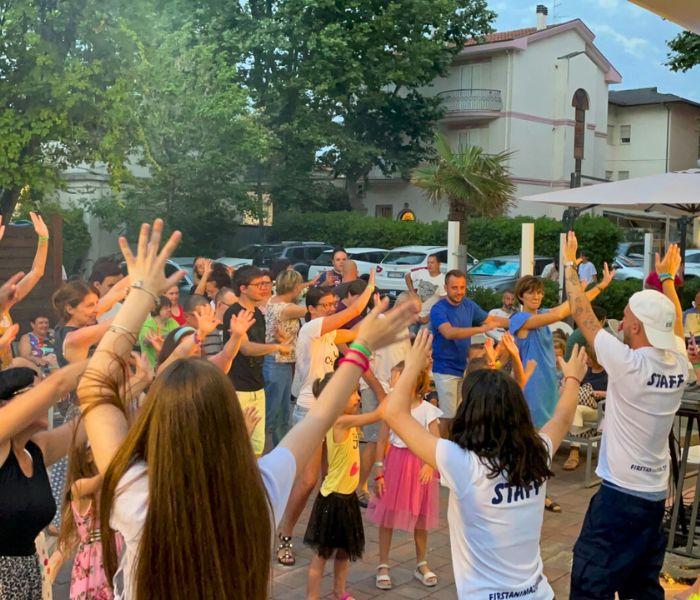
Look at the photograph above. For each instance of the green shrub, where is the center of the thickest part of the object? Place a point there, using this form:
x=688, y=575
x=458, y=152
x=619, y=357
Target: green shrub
x=615, y=297
x=486, y=298
x=688, y=292
x=486, y=236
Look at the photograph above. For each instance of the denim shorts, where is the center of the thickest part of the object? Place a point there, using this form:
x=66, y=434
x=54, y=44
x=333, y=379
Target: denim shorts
x=298, y=414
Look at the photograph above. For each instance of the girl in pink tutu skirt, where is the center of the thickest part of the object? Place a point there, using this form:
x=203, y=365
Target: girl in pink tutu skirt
x=407, y=490
x=80, y=528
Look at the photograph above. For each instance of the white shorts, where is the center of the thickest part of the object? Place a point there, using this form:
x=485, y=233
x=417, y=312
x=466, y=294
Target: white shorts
x=449, y=391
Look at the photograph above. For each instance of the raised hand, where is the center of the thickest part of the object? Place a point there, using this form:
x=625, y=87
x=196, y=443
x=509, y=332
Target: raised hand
x=576, y=366
x=206, y=320
x=2, y=228
x=147, y=268
x=143, y=371
x=8, y=292
x=9, y=336
x=39, y=226
x=156, y=341
x=570, y=247
x=419, y=354
x=375, y=333
x=671, y=261
x=608, y=276
x=508, y=342
x=251, y=418
x=372, y=276
x=241, y=323
x=490, y=350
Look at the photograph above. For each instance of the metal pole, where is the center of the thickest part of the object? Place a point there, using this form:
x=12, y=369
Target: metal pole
x=648, y=253
x=684, y=232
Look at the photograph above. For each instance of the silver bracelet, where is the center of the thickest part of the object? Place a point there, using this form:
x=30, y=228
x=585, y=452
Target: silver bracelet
x=122, y=329
x=138, y=285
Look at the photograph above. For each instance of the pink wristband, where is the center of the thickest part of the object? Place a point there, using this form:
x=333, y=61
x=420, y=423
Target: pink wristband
x=354, y=362
x=362, y=358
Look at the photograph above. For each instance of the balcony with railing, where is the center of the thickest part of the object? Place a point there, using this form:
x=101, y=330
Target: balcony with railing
x=471, y=105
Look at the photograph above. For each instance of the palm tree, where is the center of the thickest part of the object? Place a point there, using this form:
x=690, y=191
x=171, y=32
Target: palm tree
x=474, y=183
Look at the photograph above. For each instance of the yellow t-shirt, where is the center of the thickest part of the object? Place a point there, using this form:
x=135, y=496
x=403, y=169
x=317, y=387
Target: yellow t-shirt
x=343, y=463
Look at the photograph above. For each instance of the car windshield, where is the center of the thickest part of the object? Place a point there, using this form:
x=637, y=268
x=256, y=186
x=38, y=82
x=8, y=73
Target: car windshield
x=325, y=259
x=496, y=268
x=404, y=258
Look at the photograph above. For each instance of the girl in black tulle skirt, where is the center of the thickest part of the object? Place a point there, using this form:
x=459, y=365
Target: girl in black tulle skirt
x=335, y=525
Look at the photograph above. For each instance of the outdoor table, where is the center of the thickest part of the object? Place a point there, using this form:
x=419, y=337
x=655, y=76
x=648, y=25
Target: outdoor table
x=689, y=410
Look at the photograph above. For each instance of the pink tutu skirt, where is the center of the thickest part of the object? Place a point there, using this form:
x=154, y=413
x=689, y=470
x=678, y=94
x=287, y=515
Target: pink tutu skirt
x=406, y=504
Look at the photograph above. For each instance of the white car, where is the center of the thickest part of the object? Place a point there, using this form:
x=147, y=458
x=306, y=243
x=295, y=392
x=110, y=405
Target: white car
x=391, y=272
x=234, y=262
x=366, y=258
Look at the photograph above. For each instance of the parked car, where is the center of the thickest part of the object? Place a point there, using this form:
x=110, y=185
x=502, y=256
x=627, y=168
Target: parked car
x=692, y=263
x=299, y=254
x=366, y=258
x=234, y=262
x=626, y=268
x=391, y=272
x=500, y=273
x=632, y=251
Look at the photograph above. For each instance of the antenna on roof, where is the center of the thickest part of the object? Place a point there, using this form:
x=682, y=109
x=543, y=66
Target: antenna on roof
x=555, y=15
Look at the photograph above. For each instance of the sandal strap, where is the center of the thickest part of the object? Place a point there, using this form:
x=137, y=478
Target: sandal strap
x=422, y=563
x=383, y=566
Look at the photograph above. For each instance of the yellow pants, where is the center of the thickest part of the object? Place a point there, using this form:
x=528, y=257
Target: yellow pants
x=256, y=399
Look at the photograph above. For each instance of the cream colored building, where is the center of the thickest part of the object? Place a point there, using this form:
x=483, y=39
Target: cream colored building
x=515, y=91
x=651, y=133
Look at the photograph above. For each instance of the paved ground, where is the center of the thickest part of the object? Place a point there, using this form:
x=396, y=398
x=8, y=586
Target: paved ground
x=559, y=533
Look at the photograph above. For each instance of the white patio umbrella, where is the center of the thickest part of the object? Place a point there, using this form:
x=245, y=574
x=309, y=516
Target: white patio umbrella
x=676, y=194
x=685, y=13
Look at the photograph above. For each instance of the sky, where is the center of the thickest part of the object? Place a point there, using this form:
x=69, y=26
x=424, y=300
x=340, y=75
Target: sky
x=631, y=38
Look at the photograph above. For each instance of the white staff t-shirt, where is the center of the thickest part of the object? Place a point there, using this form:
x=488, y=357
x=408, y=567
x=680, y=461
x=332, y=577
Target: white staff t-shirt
x=316, y=355
x=644, y=392
x=494, y=529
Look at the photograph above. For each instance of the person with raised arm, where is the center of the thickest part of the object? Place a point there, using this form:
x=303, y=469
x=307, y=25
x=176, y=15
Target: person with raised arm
x=530, y=328
x=316, y=354
x=622, y=543
x=172, y=483
x=25, y=283
x=27, y=504
x=496, y=465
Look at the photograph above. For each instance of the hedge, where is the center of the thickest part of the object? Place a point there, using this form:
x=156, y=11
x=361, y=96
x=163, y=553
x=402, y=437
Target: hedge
x=486, y=236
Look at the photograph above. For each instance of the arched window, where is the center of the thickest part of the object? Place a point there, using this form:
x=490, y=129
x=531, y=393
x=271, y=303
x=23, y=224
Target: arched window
x=581, y=103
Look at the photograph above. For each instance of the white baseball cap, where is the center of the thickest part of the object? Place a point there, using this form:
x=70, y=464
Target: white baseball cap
x=657, y=314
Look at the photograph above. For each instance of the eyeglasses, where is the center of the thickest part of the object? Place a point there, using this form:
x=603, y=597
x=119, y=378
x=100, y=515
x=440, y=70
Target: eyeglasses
x=327, y=305
x=262, y=284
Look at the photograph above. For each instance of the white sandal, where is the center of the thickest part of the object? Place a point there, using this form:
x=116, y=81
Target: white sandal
x=428, y=579
x=383, y=582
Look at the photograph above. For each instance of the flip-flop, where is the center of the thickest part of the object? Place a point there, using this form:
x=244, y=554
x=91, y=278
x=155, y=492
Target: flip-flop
x=552, y=506
x=571, y=464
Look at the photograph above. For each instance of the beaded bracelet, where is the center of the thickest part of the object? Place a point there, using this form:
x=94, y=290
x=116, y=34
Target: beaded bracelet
x=664, y=276
x=353, y=362
x=359, y=355
x=361, y=348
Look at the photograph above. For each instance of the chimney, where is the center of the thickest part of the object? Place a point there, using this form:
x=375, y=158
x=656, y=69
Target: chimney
x=541, y=17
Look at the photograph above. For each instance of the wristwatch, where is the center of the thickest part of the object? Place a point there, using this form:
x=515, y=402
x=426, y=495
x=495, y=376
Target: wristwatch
x=569, y=263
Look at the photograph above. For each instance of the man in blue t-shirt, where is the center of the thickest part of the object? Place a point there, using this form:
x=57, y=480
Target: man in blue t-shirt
x=454, y=320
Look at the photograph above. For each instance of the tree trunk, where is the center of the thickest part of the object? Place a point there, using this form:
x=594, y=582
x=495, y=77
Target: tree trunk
x=458, y=212
x=353, y=189
x=8, y=202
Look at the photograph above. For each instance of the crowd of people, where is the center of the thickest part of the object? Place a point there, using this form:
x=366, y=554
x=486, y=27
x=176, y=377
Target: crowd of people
x=190, y=427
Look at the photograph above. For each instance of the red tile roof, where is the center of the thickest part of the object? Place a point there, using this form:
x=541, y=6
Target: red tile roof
x=505, y=36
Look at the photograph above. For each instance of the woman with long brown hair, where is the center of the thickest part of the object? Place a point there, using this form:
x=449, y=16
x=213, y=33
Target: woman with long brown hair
x=182, y=485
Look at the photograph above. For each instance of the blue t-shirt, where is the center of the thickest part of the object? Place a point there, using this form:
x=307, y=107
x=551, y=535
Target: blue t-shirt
x=450, y=356
x=541, y=391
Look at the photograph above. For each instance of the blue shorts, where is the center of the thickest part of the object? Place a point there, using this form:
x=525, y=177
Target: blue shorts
x=620, y=548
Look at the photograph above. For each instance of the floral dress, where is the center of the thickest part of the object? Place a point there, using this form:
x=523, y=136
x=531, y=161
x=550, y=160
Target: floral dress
x=88, y=580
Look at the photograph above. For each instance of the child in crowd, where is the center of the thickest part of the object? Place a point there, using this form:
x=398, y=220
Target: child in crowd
x=80, y=529
x=407, y=489
x=335, y=524
x=559, y=352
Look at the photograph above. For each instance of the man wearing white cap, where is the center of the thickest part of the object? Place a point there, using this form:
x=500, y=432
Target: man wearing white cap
x=621, y=544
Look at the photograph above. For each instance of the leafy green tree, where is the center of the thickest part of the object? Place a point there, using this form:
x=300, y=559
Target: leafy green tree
x=200, y=138
x=685, y=51
x=339, y=82
x=67, y=91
